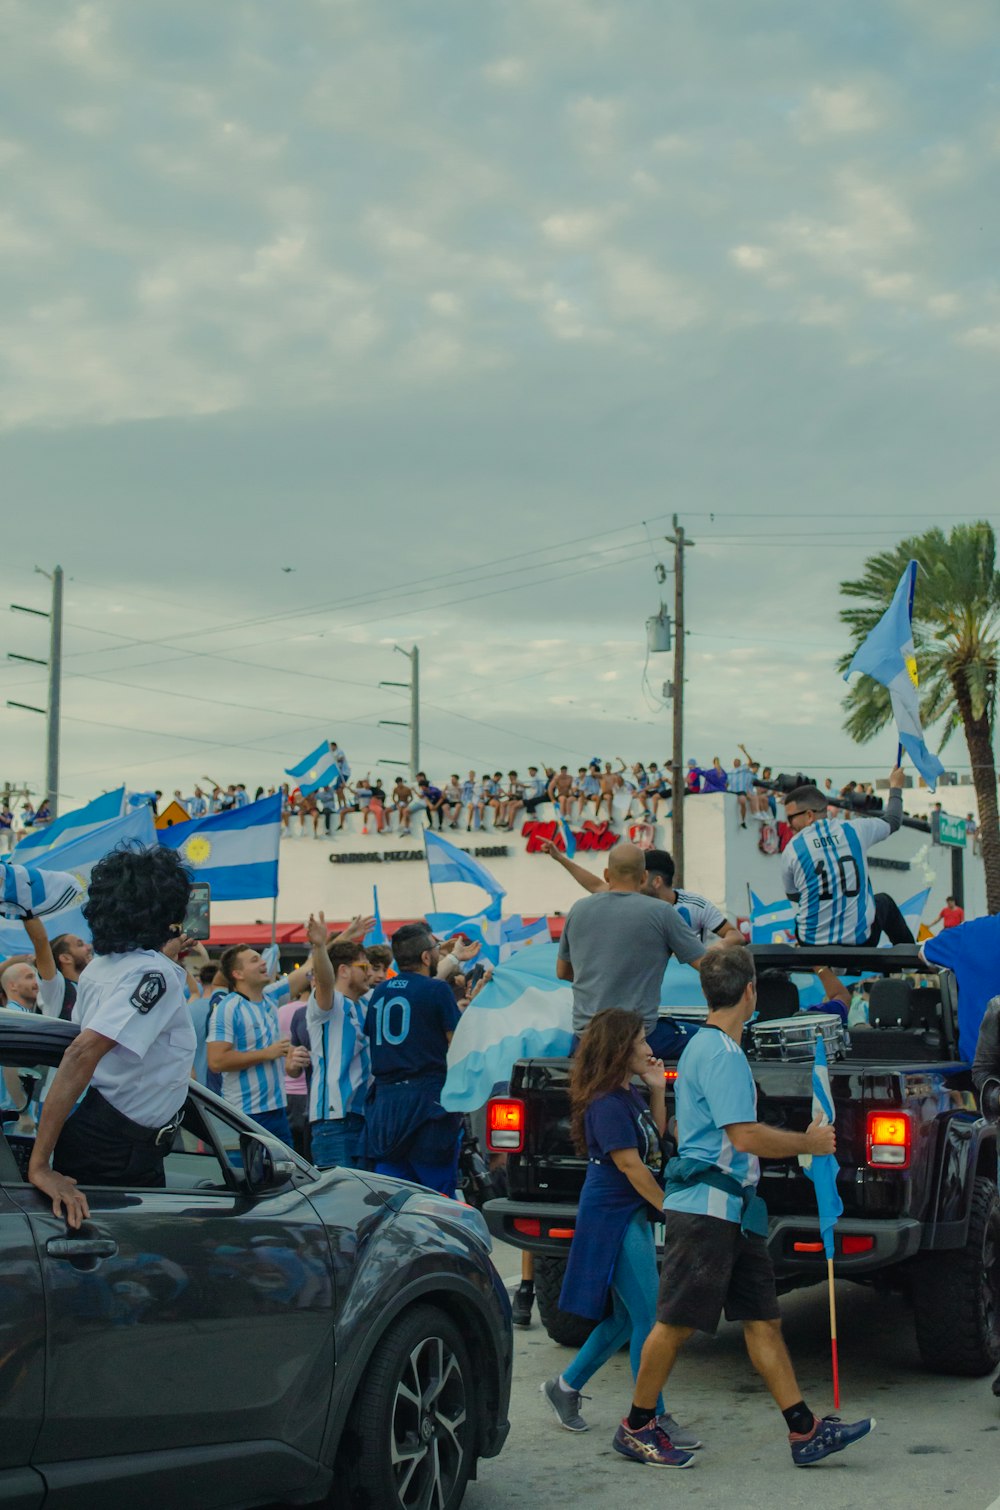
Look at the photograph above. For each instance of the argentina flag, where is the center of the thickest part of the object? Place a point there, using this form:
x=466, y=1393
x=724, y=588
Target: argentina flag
x=75, y=825
x=516, y=934
x=887, y=656
x=447, y=862
x=235, y=852
x=483, y=927
x=316, y=770
x=77, y=859
x=822, y=1168
x=771, y=922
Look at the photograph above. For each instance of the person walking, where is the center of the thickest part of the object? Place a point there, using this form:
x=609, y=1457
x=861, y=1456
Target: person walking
x=613, y=1248
x=715, y=1254
x=131, y=1061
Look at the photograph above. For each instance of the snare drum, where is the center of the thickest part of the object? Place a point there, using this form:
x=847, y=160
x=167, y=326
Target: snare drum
x=794, y=1038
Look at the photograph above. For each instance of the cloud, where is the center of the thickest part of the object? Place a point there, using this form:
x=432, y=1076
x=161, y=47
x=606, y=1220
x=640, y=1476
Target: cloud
x=507, y=72
x=844, y=110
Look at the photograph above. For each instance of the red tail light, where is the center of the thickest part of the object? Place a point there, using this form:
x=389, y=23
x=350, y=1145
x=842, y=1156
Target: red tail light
x=670, y=1076
x=889, y=1135
x=528, y=1226
x=856, y=1243
x=505, y=1126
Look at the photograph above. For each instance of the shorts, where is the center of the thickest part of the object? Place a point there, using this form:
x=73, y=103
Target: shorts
x=710, y=1266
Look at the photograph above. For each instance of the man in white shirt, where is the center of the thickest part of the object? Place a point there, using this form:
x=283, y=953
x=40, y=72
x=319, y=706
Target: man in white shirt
x=335, y=1018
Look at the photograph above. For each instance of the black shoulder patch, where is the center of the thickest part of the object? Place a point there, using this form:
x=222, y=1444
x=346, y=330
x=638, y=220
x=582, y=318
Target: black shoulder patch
x=148, y=992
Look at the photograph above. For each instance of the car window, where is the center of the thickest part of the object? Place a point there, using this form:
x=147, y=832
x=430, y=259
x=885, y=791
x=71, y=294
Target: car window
x=21, y=1085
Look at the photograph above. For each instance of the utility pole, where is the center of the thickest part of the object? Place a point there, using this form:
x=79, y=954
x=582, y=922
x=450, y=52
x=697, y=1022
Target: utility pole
x=677, y=781
x=54, y=663
x=413, y=686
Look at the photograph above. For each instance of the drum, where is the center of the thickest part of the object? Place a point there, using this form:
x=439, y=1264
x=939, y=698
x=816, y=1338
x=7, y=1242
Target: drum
x=697, y=1013
x=793, y=1039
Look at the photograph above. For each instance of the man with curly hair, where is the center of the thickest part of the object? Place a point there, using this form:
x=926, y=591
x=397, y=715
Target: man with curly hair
x=131, y=1062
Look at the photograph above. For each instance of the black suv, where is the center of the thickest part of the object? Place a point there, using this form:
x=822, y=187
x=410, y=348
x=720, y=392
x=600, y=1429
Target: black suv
x=258, y=1331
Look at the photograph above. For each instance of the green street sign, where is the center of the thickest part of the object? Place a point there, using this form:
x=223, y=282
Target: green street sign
x=951, y=831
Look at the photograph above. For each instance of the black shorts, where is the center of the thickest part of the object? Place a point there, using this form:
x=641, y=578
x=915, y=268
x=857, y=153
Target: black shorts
x=710, y=1266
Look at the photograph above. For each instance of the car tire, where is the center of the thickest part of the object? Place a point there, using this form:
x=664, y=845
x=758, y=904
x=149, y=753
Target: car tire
x=956, y=1294
x=412, y=1430
x=562, y=1326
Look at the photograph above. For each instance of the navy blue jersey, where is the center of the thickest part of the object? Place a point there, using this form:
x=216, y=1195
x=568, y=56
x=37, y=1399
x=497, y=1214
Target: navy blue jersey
x=409, y=1019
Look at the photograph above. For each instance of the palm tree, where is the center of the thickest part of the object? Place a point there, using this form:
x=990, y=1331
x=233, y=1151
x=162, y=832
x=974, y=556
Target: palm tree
x=956, y=621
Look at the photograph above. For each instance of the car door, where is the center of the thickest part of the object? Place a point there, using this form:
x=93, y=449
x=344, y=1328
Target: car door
x=22, y=1349
x=189, y=1317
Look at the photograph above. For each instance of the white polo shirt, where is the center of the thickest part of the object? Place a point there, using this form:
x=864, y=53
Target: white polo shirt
x=138, y=1000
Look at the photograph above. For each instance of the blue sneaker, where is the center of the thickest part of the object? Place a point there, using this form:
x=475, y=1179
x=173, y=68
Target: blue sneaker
x=827, y=1436
x=650, y=1445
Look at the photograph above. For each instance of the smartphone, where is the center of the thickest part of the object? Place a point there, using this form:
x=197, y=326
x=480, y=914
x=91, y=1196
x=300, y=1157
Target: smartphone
x=196, y=923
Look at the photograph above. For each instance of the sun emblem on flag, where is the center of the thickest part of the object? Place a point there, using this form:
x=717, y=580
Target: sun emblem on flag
x=313, y=773
x=911, y=666
x=197, y=850
x=80, y=880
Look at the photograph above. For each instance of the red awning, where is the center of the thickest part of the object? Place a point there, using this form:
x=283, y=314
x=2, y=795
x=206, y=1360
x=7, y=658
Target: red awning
x=258, y=934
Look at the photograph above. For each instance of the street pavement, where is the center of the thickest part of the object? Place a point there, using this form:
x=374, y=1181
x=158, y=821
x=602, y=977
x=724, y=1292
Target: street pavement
x=937, y=1441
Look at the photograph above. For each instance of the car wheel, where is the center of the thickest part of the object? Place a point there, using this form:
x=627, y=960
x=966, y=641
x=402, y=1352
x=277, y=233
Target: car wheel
x=413, y=1421
x=956, y=1294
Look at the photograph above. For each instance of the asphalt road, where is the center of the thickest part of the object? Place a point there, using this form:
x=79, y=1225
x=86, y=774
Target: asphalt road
x=936, y=1437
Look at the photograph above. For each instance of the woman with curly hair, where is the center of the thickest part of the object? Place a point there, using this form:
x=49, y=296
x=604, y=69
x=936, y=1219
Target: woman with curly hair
x=613, y=1246
x=136, y=1045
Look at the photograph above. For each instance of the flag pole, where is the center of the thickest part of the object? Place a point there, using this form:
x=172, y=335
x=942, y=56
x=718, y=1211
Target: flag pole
x=909, y=610
x=274, y=920
x=833, y=1334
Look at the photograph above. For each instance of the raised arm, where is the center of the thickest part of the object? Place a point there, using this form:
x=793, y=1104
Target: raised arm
x=323, y=979
x=580, y=873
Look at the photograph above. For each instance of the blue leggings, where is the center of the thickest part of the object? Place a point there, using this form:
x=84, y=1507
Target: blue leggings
x=634, y=1284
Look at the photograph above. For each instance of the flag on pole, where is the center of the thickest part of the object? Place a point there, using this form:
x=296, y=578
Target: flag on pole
x=74, y=825
x=912, y=910
x=376, y=934
x=771, y=922
x=235, y=852
x=483, y=927
x=888, y=657
x=77, y=859
x=569, y=838
x=516, y=934
x=447, y=862
x=822, y=1170
x=316, y=770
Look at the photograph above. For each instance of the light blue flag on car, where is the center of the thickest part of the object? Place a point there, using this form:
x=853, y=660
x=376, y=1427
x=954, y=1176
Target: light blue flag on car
x=235, y=852
x=569, y=838
x=73, y=825
x=316, y=770
x=822, y=1168
x=376, y=934
x=516, y=934
x=483, y=927
x=77, y=859
x=446, y=862
x=771, y=922
x=888, y=657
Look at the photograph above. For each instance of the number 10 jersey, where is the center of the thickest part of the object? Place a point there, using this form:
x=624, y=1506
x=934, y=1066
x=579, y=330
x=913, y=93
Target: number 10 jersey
x=825, y=870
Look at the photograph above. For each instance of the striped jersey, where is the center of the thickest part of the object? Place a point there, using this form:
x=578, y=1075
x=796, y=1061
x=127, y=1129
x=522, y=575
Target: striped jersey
x=825, y=871
x=341, y=1058
x=701, y=915
x=741, y=779
x=715, y=1089
x=250, y=1025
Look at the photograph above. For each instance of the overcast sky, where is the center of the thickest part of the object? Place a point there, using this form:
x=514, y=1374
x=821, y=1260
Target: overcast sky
x=437, y=303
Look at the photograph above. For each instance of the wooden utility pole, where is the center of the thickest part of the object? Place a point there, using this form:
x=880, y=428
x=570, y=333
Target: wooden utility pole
x=677, y=780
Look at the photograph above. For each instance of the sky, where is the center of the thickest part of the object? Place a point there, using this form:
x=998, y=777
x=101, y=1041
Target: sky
x=333, y=326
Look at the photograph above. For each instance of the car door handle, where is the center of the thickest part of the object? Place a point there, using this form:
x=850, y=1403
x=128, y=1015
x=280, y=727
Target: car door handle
x=81, y=1247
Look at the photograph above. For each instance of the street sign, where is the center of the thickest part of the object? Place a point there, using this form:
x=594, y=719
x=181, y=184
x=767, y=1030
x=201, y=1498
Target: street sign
x=951, y=831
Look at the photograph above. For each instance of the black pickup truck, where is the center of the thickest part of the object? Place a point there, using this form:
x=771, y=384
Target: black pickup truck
x=918, y=1164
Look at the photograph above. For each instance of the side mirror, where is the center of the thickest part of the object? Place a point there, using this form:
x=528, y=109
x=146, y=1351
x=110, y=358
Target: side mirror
x=262, y=1172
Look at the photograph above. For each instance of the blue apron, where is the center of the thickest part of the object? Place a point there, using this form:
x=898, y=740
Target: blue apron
x=406, y=1123
x=608, y=1202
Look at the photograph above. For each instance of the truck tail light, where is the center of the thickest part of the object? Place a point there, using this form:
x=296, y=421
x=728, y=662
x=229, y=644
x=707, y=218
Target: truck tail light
x=670, y=1076
x=528, y=1226
x=505, y=1126
x=856, y=1243
x=888, y=1140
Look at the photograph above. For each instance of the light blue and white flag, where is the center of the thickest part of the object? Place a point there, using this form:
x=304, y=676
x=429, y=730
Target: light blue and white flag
x=822, y=1168
x=516, y=934
x=31, y=891
x=524, y=1012
x=235, y=852
x=140, y=799
x=483, y=927
x=376, y=934
x=446, y=862
x=887, y=656
x=316, y=770
x=771, y=922
x=569, y=838
x=78, y=859
x=74, y=825
x=913, y=912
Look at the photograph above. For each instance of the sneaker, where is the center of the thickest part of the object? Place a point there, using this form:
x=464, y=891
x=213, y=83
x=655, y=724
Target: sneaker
x=566, y=1404
x=827, y=1436
x=649, y=1445
x=681, y=1436
x=521, y=1303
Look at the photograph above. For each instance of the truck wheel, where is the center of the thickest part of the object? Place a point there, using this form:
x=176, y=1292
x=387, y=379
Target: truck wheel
x=413, y=1420
x=562, y=1326
x=956, y=1294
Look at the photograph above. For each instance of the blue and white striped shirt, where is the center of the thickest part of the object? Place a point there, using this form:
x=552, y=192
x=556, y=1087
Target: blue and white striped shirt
x=341, y=1058
x=741, y=779
x=251, y=1025
x=824, y=867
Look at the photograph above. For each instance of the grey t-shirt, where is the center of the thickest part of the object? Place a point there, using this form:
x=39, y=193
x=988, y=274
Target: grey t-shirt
x=618, y=943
